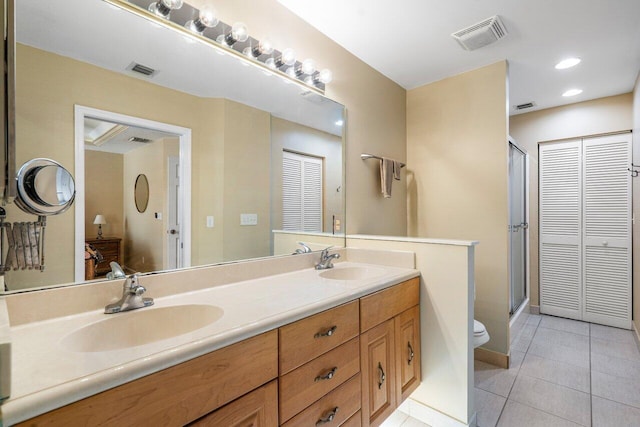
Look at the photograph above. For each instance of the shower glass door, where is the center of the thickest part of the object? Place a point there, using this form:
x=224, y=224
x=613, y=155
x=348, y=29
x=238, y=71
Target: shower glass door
x=517, y=225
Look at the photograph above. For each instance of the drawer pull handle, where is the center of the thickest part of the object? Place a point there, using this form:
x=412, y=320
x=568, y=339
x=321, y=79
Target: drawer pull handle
x=327, y=333
x=328, y=375
x=381, y=376
x=327, y=418
x=410, y=352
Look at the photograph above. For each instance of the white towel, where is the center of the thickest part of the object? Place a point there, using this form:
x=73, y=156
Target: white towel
x=386, y=176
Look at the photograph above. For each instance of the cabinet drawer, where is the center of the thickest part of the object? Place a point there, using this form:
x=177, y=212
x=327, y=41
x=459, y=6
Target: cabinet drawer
x=308, y=338
x=354, y=421
x=180, y=394
x=256, y=409
x=303, y=386
x=383, y=305
x=344, y=402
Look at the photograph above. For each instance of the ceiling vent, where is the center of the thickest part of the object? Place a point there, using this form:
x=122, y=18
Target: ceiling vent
x=141, y=69
x=481, y=34
x=524, y=106
x=140, y=140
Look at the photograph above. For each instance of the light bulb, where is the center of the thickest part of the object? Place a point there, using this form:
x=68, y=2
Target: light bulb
x=288, y=57
x=308, y=67
x=271, y=63
x=208, y=18
x=325, y=76
x=291, y=71
x=162, y=8
x=264, y=47
x=567, y=63
x=222, y=39
x=248, y=52
x=572, y=92
x=239, y=32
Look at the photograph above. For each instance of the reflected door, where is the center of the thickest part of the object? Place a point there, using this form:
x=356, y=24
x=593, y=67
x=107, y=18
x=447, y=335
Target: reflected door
x=174, y=241
x=517, y=225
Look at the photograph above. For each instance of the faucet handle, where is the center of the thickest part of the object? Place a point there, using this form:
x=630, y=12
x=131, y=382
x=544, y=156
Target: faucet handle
x=325, y=251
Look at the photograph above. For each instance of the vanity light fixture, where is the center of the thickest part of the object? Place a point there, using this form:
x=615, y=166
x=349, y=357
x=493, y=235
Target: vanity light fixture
x=229, y=40
x=163, y=8
x=572, y=92
x=207, y=18
x=567, y=63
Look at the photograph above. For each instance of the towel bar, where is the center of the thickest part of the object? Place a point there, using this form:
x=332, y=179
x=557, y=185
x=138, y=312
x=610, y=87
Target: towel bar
x=371, y=156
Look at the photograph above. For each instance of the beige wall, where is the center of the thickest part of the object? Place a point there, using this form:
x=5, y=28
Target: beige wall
x=144, y=238
x=581, y=119
x=636, y=206
x=246, y=181
x=103, y=193
x=286, y=135
x=375, y=109
x=457, y=162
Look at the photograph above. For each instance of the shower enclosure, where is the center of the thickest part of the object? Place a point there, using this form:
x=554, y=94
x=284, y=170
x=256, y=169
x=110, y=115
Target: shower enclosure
x=518, y=226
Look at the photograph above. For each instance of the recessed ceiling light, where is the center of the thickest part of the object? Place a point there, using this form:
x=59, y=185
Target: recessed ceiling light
x=572, y=92
x=567, y=63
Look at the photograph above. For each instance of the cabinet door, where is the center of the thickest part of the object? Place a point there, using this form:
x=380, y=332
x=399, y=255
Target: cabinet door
x=407, y=345
x=256, y=409
x=377, y=351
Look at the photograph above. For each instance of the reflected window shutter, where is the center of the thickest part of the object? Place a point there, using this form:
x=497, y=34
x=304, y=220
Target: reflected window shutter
x=301, y=192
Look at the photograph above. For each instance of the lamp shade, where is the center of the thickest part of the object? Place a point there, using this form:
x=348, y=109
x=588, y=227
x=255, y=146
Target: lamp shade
x=99, y=220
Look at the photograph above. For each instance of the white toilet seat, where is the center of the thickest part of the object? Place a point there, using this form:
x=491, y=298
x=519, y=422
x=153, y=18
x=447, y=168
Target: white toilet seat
x=480, y=334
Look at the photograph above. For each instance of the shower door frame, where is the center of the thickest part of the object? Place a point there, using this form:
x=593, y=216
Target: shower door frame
x=513, y=308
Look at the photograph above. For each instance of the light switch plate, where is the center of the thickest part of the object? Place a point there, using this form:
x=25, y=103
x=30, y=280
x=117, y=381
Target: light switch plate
x=210, y=221
x=248, y=219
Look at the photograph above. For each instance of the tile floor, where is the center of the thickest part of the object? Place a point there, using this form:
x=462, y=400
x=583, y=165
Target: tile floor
x=563, y=373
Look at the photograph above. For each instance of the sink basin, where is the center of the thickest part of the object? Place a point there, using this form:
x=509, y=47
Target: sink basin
x=351, y=273
x=139, y=327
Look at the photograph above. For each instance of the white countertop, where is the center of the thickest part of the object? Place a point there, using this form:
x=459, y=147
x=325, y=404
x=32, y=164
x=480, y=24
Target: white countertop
x=45, y=375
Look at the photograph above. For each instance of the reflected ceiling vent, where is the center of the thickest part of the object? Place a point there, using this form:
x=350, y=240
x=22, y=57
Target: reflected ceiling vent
x=524, y=106
x=313, y=97
x=481, y=34
x=140, y=140
x=141, y=69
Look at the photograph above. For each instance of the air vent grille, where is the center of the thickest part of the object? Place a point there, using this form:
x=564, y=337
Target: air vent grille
x=524, y=106
x=141, y=69
x=481, y=34
x=140, y=140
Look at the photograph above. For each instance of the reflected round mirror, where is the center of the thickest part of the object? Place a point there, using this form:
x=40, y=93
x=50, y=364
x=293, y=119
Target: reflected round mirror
x=44, y=187
x=141, y=193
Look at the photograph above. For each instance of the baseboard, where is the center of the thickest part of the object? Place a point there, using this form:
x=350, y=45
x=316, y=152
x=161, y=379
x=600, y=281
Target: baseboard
x=492, y=357
x=534, y=309
x=432, y=417
x=636, y=334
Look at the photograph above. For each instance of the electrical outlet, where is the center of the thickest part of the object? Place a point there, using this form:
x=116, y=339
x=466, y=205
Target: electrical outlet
x=210, y=222
x=248, y=219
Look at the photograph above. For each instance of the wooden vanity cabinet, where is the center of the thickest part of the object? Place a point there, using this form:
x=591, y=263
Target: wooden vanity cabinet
x=348, y=366
x=180, y=394
x=389, y=349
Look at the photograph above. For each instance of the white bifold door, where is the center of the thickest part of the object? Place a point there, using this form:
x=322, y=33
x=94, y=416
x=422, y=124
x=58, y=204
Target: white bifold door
x=585, y=229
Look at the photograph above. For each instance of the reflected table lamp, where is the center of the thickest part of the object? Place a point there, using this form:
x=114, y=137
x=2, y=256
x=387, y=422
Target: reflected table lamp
x=99, y=220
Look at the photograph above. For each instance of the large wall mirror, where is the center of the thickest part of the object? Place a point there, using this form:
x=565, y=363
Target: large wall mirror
x=240, y=164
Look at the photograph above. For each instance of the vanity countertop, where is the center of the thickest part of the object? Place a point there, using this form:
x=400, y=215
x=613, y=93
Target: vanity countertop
x=46, y=375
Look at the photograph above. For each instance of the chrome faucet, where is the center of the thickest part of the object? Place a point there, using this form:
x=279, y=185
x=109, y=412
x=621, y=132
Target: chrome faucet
x=131, y=297
x=326, y=260
x=303, y=250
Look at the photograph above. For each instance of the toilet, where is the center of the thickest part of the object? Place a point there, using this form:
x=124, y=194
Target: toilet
x=480, y=334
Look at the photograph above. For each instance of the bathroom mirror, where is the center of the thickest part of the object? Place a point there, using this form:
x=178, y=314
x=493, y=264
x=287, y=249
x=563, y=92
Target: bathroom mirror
x=141, y=193
x=241, y=125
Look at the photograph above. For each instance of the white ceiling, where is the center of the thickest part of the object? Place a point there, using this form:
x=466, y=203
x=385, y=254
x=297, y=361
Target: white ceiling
x=119, y=142
x=410, y=42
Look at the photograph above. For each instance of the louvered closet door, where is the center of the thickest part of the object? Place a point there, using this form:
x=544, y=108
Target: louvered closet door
x=301, y=192
x=607, y=230
x=560, y=229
